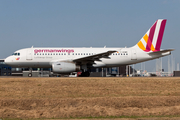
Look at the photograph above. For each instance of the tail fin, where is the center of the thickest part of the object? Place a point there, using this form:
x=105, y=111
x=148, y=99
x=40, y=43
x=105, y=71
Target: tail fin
x=151, y=41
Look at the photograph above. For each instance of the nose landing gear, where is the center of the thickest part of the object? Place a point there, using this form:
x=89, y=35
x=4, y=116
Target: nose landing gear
x=30, y=75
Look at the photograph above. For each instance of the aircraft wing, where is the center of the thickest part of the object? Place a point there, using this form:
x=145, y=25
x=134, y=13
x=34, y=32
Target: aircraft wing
x=96, y=57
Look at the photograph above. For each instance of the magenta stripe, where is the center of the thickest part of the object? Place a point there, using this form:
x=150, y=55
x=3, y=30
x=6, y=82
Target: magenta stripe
x=160, y=36
x=150, y=39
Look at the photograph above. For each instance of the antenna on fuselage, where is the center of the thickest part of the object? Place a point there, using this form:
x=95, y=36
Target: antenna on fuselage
x=32, y=47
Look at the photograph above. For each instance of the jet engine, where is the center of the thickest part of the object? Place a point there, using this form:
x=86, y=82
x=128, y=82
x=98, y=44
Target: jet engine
x=65, y=67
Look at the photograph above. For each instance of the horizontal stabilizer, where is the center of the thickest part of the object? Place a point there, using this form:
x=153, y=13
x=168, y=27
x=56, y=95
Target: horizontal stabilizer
x=161, y=51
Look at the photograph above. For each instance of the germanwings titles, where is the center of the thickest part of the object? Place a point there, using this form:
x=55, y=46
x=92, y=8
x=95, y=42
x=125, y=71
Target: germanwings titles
x=67, y=60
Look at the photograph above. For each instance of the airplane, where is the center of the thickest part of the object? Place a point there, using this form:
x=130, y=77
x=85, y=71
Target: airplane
x=67, y=60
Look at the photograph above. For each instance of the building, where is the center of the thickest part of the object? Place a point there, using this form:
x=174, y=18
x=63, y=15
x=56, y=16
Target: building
x=5, y=70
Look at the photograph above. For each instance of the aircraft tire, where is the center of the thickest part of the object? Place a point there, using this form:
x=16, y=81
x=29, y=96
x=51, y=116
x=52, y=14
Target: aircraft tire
x=30, y=75
x=85, y=74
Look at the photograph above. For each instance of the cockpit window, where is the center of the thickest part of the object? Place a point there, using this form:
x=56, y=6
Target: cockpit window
x=16, y=54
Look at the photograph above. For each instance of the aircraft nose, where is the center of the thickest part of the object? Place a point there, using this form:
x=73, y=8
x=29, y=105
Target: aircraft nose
x=8, y=60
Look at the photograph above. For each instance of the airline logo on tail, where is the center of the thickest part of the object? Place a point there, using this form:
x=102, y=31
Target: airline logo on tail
x=151, y=41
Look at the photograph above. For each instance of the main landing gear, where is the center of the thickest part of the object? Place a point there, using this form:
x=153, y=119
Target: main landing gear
x=85, y=74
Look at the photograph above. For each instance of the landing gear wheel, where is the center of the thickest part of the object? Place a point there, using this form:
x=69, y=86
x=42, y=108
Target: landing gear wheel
x=30, y=75
x=85, y=74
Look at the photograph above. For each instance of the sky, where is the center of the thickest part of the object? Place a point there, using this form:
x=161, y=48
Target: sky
x=86, y=23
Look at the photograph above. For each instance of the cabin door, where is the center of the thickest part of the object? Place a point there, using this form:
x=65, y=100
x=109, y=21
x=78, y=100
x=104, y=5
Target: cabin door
x=133, y=54
x=29, y=54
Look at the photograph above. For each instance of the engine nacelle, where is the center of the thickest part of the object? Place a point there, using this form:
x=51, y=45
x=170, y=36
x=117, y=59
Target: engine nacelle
x=65, y=67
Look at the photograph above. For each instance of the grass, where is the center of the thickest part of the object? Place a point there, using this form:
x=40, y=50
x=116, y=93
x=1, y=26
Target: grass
x=100, y=117
x=84, y=87
x=83, y=97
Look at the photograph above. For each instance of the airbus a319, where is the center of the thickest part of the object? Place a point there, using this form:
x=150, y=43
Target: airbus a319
x=67, y=60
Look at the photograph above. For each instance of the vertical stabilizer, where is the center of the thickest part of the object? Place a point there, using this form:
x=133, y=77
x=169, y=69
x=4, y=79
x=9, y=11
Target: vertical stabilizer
x=151, y=41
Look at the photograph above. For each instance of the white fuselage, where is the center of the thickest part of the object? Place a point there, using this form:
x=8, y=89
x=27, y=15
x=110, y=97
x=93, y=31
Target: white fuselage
x=44, y=57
